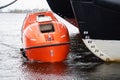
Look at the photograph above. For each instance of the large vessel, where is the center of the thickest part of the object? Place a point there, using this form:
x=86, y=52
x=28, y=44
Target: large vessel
x=98, y=22
x=44, y=38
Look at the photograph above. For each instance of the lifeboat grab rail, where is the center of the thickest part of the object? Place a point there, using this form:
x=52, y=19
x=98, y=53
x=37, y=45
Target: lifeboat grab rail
x=57, y=44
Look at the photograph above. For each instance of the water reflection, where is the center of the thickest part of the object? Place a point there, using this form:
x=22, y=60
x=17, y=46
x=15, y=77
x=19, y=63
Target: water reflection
x=45, y=68
x=56, y=71
x=43, y=71
x=106, y=71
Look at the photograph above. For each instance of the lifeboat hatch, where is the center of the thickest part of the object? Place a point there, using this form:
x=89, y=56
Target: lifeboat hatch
x=43, y=18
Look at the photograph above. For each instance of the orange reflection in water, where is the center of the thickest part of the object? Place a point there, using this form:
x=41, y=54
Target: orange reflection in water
x=43, y=71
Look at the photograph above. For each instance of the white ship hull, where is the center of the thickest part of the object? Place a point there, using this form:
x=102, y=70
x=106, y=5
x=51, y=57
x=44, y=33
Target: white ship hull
x=107, y=50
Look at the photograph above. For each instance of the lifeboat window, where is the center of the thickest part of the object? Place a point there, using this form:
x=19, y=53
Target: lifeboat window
x=46, y=28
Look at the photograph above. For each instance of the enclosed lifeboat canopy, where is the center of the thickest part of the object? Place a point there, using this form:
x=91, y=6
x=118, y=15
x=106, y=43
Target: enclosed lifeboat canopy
x=44, y=38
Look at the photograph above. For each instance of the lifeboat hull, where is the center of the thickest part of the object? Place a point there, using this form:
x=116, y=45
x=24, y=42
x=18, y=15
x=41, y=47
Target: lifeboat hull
x=51, y=53
x=44, y=38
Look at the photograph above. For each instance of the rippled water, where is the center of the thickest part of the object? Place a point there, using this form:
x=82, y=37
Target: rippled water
x=13, y=67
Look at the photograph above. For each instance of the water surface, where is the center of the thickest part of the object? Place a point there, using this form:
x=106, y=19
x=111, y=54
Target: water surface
x=13, y=67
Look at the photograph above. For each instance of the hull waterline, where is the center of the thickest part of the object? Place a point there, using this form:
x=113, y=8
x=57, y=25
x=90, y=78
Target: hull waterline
x=107, y=50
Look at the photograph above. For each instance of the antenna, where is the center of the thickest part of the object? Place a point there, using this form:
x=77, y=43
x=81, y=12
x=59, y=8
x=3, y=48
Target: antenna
x=8, y=4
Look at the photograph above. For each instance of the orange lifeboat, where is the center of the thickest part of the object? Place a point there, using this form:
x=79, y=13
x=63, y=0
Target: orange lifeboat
x=44, y=38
